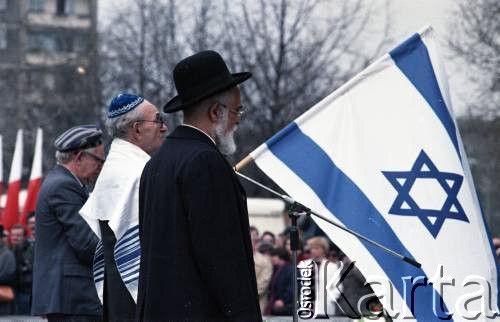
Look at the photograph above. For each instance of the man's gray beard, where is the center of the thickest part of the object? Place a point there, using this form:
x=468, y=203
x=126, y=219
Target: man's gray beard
x=225, y=142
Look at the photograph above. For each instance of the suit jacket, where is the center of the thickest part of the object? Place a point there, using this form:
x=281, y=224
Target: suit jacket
x=7, y=275
x=64, y=249
x=281, y=288
x=197, y=260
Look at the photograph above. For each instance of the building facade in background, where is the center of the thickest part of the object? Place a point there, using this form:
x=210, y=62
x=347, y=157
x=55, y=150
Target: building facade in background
x=48, y=63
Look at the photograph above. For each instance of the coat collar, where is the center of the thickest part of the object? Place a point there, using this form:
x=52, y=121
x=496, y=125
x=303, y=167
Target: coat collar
x=198, y=129
x=66, y=171
x=189, y=132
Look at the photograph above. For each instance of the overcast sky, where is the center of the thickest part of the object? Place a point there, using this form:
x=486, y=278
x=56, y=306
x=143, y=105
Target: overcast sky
x=411, y=15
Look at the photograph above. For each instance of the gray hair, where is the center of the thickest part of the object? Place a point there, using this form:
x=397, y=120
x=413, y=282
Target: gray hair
x=222, y=97
x=64, y=157
x=118, y=127
x=68, y=156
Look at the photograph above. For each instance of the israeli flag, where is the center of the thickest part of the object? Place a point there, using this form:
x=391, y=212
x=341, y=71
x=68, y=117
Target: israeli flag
x=382, y=156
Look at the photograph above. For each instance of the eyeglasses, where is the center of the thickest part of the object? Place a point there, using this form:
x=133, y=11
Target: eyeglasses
x=239, y=111
x=159, y=119
x=95, y=157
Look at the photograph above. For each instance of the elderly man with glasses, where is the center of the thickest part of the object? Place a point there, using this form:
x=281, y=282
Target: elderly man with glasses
x=63, y=288
x=112, y=210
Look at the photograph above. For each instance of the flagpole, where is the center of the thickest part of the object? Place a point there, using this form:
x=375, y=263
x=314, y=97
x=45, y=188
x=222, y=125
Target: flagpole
x=246, y=160
x=303, y=210
x=294, y=247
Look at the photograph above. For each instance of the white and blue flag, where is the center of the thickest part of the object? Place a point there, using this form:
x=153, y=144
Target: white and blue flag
x=382, y=156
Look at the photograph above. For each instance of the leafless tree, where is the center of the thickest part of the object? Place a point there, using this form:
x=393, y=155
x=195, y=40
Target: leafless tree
x=298, y=52
x=475, y=40
x=142, y=43
x=481, y=141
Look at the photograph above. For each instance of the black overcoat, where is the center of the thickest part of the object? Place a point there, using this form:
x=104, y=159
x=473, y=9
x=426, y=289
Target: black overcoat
x=197, y=261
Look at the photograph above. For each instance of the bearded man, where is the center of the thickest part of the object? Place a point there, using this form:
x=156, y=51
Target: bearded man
x=197, y=260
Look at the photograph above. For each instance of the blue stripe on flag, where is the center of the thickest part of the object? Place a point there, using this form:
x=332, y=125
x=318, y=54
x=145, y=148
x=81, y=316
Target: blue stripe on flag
x=343, y=198
x=412, y=58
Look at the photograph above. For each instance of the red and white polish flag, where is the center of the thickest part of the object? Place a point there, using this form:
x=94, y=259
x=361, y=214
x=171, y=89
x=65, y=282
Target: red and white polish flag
x=1, y=166
x=35, y=179
x=11, y=211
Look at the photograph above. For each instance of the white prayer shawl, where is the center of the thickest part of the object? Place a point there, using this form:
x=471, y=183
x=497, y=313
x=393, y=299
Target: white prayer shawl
x=116, y=198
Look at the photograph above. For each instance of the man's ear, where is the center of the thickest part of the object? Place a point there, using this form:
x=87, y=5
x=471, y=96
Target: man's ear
x=136, y=128
x=78, y=156
x=213, y=112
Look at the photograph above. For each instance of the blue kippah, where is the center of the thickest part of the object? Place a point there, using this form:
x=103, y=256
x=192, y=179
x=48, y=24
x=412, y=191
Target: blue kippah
x=79, y=138
x=123, y=103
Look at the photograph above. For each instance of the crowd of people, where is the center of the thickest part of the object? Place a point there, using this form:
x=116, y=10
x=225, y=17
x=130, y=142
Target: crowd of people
x=274, y=272
x=17, y=247
x=272, y=258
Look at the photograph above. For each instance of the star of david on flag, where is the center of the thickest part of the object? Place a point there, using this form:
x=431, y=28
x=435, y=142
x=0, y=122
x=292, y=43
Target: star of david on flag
x=405, y=205
x=382, y=156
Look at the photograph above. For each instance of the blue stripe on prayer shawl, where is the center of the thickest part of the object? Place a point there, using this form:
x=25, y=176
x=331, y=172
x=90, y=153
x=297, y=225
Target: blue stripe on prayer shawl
x=412, y=58
x=127, y=280
x=126, y=247
x=98, y=267
x=126, y=239
x=343, y=198
x=127, y=270
x=128, y=257
x=128, y=261
x=99, y=254
x=133, y=233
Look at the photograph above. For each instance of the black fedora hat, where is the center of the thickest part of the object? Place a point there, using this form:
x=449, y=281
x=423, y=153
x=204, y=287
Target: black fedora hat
x=200, y=76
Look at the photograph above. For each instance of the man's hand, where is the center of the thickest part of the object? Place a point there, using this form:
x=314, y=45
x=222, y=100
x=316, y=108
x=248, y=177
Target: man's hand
x=278, y=304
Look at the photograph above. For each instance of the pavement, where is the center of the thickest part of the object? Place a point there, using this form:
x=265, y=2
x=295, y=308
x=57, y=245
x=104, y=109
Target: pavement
x=18, y=318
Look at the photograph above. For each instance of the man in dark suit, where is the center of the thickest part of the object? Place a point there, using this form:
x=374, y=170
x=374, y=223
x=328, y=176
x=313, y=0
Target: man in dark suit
x=197, y=260
x=63, y=288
